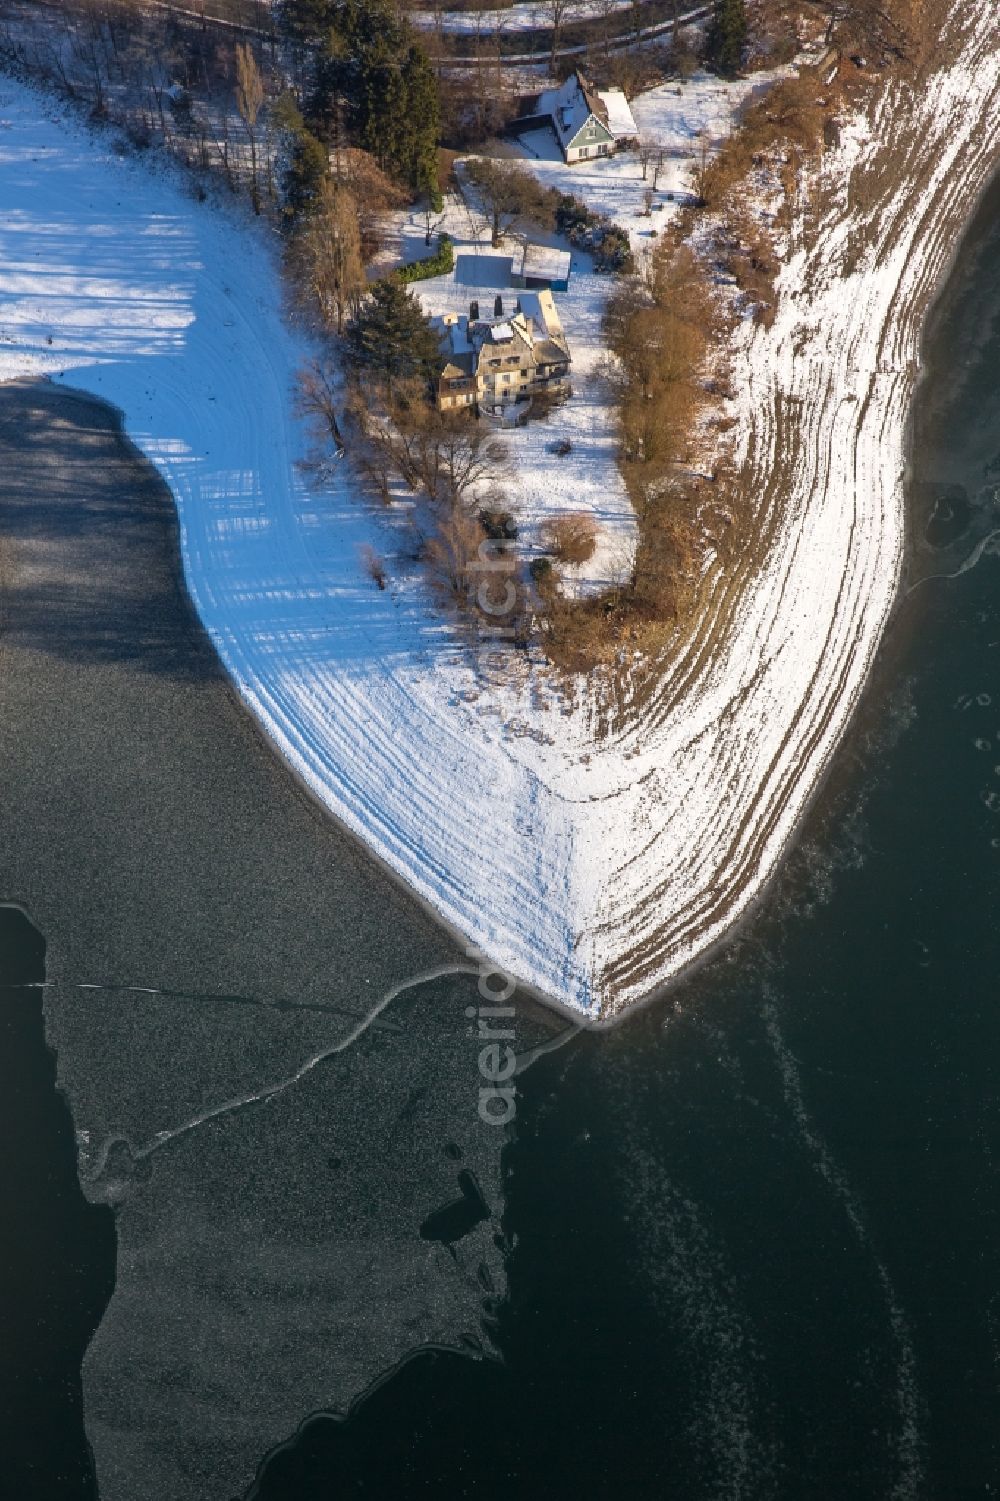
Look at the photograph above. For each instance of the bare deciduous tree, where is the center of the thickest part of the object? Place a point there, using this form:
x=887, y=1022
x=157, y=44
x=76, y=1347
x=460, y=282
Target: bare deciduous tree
x=452, y=549
x=509, y=193
x=318, y=398
x=372, y=190
x=875, y=25
x=555, y=12
x=571, y=537
x=374, y=565
x=431, y=220
x=249, y=102
x=450, y=456
x=373, y=447
x=469, y=458
x=703, y=161
x=325, y=256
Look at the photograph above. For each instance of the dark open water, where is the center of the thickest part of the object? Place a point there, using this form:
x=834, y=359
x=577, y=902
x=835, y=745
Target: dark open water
x=752, y=1236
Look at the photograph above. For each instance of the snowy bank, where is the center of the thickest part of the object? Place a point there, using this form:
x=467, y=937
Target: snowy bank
x=592, y=858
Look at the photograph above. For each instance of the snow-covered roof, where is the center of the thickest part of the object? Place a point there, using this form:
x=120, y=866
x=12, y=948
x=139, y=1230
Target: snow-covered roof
x=453, y=331
x=535, y=325
x=540, y=306
x=571, y=105
x=544, y=261
x=619, y=121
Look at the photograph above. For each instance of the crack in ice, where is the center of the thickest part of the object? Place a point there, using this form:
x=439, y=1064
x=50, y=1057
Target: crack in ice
x=975, y=556
x=265, y=1003
x=269, y=1091
x=367, y=1022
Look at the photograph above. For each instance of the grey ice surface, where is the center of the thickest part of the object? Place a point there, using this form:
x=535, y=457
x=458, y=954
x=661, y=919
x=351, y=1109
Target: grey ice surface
x=210, y=932
x=272, y=1262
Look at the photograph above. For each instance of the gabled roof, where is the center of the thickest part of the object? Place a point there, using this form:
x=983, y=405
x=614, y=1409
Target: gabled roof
x=571, y=106
x=593, y=100
x=540, y=308
x=457, y=371
x=515, y=330
x=455, y=347
x=548, y=352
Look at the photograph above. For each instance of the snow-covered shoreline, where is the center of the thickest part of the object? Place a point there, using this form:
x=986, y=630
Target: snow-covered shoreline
x=592, y=861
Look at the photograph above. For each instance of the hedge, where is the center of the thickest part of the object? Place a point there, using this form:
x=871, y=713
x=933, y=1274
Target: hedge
x=441, y=261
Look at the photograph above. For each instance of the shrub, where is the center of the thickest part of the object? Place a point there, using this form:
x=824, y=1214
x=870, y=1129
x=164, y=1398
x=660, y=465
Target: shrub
x=545, y=402
x=605, y=241
x=139, y=134
x=572, y=538
x=613, y=252
x=499, y=526
x=374, y=565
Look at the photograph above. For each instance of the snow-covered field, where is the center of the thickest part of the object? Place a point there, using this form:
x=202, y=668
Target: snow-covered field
x=591, y=858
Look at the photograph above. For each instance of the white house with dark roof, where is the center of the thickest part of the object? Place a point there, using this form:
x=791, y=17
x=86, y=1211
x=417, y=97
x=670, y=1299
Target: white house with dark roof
x=587, y=122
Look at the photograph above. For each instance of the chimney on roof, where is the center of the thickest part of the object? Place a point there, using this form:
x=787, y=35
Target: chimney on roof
x=473, y=312
x=498, y=307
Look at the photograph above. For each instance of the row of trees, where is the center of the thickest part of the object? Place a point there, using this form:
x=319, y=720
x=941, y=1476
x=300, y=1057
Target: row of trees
x=366, y=133
x=362, y=138
x=377, y=398
x=658, y=327
x=663, y=331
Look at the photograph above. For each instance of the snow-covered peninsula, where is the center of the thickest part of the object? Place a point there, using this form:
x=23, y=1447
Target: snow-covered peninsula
x=590, y=854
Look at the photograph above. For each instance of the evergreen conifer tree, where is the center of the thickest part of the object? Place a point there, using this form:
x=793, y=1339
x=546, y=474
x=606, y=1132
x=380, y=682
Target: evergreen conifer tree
x=306, y=20
x=308, y=171
x=727, y=36
x=374, y=69
x=422, y=126
x=391, y=339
